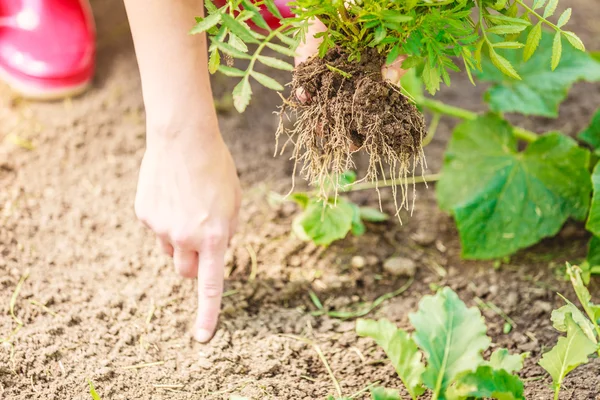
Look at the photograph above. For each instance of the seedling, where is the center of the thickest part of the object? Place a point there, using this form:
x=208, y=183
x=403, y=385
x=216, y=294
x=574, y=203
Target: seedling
x=582, y=332
x=444, y=354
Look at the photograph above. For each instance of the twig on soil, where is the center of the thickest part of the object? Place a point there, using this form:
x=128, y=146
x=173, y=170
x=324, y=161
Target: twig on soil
x=319, y=352
x=151, y=312
x=230, y=293
x=488, y=304
x=15, y=295
x=144, y=365
x=358, y=353
x=345, y=315
x=167, y=386
x=254, y=261
x=43, y=307
x=308, y=378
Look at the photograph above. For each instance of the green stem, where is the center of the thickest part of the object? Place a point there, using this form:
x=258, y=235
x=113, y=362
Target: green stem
x=442, y=108
x=261, y=47
x=416, y=179
x=435, y=121
x=556, y=391
x=531, y=10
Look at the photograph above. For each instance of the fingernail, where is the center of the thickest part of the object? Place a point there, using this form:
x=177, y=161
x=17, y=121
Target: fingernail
x=392, y=75
x=302, y=96
x=203, y=335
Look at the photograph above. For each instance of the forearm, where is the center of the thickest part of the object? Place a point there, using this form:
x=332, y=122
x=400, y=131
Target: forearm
x=173, y=64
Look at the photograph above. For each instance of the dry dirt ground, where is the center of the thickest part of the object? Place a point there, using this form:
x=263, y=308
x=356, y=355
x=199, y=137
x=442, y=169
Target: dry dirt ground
x=116, y=312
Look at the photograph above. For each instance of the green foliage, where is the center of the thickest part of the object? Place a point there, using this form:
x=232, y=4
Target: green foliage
x=230, y=37
x=591, y=135
x=93, y=393
x=502, y=359
x=487, y=382
x=324, y=222
x=582, y=332
x=400, y=348
x=452, y=338
x=430, y=33
x=540, y=89
x=504, y=200
x=570, y=352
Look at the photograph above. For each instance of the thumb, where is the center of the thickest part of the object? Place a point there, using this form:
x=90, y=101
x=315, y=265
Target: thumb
x=394, y=72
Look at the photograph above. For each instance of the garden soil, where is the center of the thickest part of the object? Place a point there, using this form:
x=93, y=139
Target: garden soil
x=115, y=312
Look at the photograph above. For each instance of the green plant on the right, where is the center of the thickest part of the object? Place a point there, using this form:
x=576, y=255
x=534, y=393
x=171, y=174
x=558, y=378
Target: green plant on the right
x=444, y=354
x=582, y=333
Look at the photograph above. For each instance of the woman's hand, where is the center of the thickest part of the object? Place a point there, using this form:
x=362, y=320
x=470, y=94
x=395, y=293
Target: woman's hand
x=189, y=195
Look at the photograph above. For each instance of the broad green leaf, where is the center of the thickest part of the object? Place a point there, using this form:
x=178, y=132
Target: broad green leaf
x=380, y=393
x=214, y=61
x=452, y=337
x=593, y=222
x=267, y=81
x=591, y=134
x=556, y=50
x=93, y=393
x=593, y=257
x=569, y=353
x=541, y=90
x=574, y=40
x=231, y=71
x=238, y=28
x=241, y=94
x=275, y=63
x=504, y=200
x=559, y=320
x=373, y=215
x=550, y=8
x=400, y=349
x=564, y=18
x=205, y=24
x=487, y=382
x=324, y=224
x=502, y=359
x=503, y=65
x=533, y=41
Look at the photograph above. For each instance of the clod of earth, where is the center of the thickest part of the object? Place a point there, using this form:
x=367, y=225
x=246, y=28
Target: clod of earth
x=351, y=108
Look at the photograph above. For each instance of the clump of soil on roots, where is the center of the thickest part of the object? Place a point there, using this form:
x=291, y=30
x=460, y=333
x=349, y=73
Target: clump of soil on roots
x=351, y=108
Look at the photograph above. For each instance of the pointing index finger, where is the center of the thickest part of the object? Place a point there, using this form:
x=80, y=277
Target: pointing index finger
x=211, y=265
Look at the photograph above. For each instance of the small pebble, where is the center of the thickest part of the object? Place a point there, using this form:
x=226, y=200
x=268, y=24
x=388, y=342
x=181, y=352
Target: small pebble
x=358, y=262
x=372, y=260
x=400, y=266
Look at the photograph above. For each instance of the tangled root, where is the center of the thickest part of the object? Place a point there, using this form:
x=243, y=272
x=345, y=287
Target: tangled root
x=351, y=108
